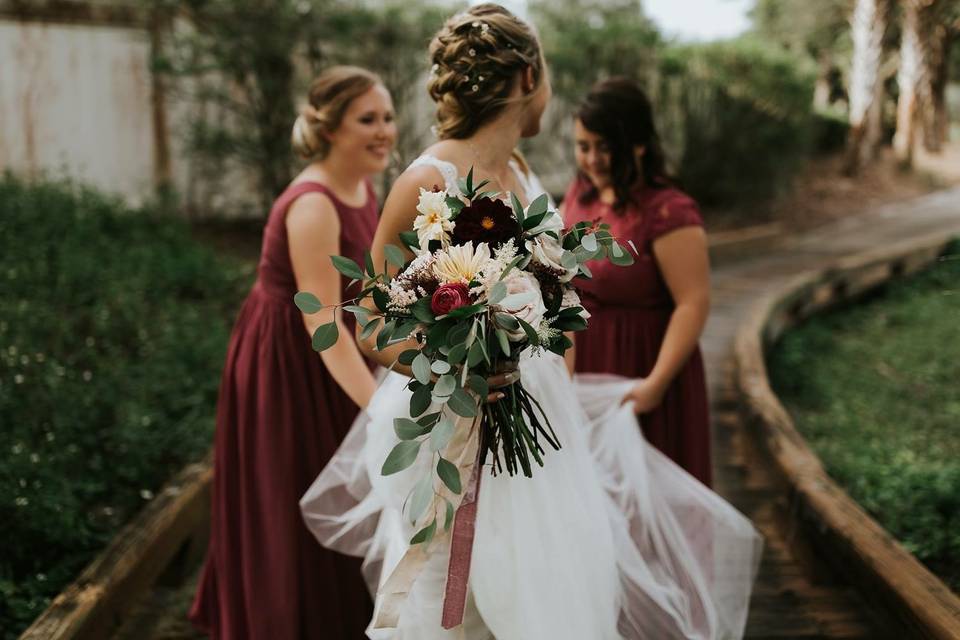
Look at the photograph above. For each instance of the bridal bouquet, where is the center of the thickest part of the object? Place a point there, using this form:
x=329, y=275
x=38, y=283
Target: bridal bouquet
x=488, y=280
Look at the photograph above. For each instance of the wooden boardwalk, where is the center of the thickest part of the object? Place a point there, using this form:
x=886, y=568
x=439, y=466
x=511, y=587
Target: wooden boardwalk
x=797, y=596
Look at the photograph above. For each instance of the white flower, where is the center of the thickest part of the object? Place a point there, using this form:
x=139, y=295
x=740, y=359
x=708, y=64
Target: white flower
x=490, y=275
x=434, y=221
x=572, y=299
x=548, y=251
x=461, y=263
x=524, y=301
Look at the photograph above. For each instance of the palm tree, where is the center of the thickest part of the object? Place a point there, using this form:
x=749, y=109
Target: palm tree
x=868, y=26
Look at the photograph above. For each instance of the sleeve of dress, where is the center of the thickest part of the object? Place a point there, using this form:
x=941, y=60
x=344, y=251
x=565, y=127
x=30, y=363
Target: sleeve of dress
x=674, y=212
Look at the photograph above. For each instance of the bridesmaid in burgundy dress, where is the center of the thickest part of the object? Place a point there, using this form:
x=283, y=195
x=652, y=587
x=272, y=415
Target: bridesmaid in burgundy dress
x=283, y=409
x=647, y=318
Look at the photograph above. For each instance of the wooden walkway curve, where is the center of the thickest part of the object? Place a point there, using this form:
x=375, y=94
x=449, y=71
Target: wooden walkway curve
x=797, y=595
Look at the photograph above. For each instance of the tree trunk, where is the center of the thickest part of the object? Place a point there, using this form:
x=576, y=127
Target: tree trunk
x=868, y=24
x=934, y=108
x=909, y=77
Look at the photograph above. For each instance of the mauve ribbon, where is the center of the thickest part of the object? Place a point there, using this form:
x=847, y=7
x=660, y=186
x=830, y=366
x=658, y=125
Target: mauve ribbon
x=461, y=550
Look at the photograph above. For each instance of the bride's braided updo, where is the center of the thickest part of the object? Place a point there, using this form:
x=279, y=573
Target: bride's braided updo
x=476, y=56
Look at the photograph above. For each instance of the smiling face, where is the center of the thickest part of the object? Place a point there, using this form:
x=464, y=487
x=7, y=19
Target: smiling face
x=592, y=156
x=367, y=131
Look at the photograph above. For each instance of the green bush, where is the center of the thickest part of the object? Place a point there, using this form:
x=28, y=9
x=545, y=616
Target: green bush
x=737, y=117
x=113, y=328
x=873, y=388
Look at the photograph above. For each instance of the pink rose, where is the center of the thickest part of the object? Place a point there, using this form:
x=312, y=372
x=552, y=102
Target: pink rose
x=448, y=297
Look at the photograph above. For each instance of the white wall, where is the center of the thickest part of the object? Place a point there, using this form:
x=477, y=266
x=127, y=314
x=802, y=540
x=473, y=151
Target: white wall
x=76, y=100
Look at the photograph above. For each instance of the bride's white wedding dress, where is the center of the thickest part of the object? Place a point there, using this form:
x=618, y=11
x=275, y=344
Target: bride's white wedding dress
x=609, y=539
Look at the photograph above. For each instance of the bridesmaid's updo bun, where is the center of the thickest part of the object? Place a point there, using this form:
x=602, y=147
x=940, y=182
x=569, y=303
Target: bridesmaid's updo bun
x=476, y=56
x=328, y=99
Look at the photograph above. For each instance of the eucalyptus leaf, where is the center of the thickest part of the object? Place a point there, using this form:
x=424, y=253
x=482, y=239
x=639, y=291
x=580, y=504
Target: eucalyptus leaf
x=479, y=385
x=347, y=267
x=441, y=434
x=307, y=302
x=421, y=310
x=517, y=208
x=421, y=368
x=410, y=239
x=407, y=429
x=457, y=354
x=462, y=404
x=530, y=331
x=406, y=358
x=420, y=498
x=504, y=341
x=420, y=400
x=402, y=456
x=448, y=522
x=444, y=386
x=369, y=328
x=368, y=262
x=450, y=475
x=440, y=367
x=589, y=242
x=507, y=321
x=497, y=293
x=425, y=534
x=476, y=354
x=394, y=255
x=325, y=336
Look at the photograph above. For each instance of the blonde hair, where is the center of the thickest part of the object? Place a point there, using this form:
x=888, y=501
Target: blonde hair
x=476, y=56
x=329, y=96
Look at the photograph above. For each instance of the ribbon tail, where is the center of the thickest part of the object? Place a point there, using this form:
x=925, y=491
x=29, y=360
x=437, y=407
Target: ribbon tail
x=461, y=551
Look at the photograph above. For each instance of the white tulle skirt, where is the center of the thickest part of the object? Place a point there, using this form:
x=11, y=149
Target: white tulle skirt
x=609, y=539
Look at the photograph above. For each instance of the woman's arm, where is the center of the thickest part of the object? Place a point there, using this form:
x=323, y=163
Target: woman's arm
x=399, y=212
x=683, y=260
x=313, y=235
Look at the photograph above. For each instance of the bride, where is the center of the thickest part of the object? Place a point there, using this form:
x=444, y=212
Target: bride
x=609, y=539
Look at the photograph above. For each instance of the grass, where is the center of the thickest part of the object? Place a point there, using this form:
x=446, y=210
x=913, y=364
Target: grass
x=113, y=328
x=874, y=387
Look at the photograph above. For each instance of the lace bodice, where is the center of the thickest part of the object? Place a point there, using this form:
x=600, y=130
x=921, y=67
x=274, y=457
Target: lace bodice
x=529, y=182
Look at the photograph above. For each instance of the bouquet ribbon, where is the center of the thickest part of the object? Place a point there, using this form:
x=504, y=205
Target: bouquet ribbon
x=464, y=451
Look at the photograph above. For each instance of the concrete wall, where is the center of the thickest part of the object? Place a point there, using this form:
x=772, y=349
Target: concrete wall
x=76, y=100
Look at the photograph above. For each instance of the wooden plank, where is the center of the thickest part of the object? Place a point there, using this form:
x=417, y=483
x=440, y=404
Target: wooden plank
x=93, y=606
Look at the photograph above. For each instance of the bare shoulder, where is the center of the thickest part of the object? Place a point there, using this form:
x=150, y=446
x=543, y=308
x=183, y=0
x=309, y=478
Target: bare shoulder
x=313, y=212
x=414, y=178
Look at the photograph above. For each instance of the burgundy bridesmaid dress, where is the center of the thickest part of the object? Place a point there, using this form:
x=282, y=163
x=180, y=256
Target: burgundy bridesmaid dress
x=280, y=417
x=631, y=308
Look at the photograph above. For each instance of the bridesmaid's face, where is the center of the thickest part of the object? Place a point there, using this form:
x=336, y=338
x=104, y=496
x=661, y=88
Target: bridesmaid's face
x=368, y=131
x=592, y=155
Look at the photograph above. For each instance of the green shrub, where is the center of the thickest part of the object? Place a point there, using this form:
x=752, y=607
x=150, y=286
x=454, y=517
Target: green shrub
x=873, y=388
x=736, y=116
x=113, y=328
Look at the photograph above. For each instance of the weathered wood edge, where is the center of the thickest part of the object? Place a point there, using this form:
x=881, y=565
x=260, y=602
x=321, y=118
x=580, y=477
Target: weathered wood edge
x=886, y=574
x=172, y=528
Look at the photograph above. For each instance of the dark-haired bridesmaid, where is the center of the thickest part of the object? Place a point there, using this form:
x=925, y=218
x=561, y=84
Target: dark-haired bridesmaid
x=646, y=318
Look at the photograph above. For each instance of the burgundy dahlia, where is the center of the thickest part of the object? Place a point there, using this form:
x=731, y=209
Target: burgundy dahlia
x=485, y=220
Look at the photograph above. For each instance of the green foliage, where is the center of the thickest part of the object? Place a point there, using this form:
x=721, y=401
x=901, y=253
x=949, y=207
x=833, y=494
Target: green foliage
x=586, y=40
x=113, y=328
x=738, y=116
x=873, y=388
x=246, y=65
